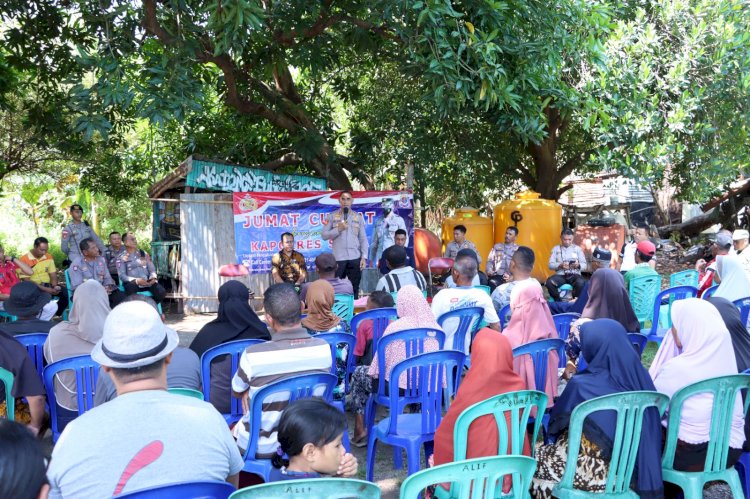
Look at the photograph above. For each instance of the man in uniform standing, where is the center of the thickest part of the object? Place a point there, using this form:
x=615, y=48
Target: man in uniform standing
x=115, y=249
x=75, y=232
x=346, y=230
x=93, y=266
x=137, y=271
x=384, y=234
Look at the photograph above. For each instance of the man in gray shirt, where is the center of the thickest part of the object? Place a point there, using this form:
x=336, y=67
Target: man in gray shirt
x=325, y=264
x=568, y=261
x=75, y=232
x=346, y=230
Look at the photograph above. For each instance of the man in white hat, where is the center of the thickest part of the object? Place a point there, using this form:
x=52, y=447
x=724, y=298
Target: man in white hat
x=740, y=239
x=146, y=437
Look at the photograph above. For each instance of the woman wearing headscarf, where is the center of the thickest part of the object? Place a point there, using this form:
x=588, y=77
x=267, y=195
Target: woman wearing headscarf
x=413, y=312
x=734, y=283
x=76, y=336
x=608, y=299
x=320, y=317
x=530, y=320
x=699, y=348
x=613, y=366
x=236, y=320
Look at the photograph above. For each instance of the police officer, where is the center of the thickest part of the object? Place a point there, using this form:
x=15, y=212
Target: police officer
x=93, y=266
x=346, y=229
x=113, y=252
x=384, y=235
x=137, y=271
x=75, y=232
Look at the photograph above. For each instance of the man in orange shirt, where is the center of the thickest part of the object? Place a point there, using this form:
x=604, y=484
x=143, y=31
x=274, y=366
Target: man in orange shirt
x=45, y=272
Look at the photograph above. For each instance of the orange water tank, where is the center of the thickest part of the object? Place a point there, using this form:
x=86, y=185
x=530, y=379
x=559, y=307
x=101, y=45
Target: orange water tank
x=426, y=246
x=539, y=223
x=479, y=230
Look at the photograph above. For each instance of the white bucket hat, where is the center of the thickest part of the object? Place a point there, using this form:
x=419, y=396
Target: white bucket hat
x=134, y=336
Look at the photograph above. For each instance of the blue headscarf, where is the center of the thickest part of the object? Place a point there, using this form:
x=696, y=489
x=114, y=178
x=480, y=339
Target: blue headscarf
x=613, y=366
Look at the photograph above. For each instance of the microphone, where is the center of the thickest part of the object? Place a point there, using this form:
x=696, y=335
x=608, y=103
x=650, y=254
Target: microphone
x=346, y=213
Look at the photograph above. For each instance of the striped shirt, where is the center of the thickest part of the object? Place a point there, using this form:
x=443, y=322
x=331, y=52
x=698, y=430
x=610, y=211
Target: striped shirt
x=398, y=278
x=289, y=353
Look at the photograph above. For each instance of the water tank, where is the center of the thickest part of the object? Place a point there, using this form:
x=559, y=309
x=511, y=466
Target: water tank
x=479, y=230
x=539, y=223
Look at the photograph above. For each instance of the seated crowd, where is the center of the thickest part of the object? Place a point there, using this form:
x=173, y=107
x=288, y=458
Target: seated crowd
x=139, y=435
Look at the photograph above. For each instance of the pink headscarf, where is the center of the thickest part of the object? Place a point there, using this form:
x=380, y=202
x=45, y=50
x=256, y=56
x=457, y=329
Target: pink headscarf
x=531, y=320
x=413, y=312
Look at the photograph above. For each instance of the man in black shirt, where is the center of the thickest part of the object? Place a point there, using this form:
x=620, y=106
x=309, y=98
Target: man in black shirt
x=26, y=302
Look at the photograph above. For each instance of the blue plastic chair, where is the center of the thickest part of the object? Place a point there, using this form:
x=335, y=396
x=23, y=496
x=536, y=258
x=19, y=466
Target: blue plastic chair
x=684, y=278
x=642, y=292
x=504, y=316
x=188, y=490
x=426, y=374
x=656, y=333
x=562, y=324
x=709, y=292
x=334, y=340
x=235, y=349
x=743, y=304
x=380, y=318
x=86, y=373
x=468, y=319
x=296, y=387
x=313, y=488
x=343, y=306
x=638, y=341
x=34, y=343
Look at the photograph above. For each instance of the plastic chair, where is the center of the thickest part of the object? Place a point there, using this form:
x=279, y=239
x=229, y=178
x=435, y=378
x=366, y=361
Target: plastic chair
x=343, y=306
x=468, y=322
x=504, y=316
x=187, y=392
x=642, y=292
x=297, y=387
x=380, y=318
x=145, y=292
x=394, y=295
x=86, y=372
x=724, y=390
x=334, y=340
x=235, y=349
x=684, y=278
x=475, y=478
x=709, y=292
x=6, y=378
x=484, y=288
x=562, y=324
x=630, y=408
x=67, y=310
x=188, y=490
x=638, y=341
x=440, y=263
x=315, y=488
x=34, y=343
x=7, y=317
x=656, y=333
x=743, y=304
x=427, y=380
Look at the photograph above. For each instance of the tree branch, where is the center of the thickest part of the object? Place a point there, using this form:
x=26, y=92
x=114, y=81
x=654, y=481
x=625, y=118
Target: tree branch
x=287, y=159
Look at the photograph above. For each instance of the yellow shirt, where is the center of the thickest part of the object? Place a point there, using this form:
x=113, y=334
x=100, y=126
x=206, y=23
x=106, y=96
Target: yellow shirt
x=42, y=267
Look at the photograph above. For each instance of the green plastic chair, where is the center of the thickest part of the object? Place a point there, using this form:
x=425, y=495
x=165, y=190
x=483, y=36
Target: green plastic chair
x=642, y=292
x=684, y=278
x=394, y=294
x=343, y=306
x=6, y=378
x=313, y=488
x=724, y=390
x=630, y=408
x=475, y=478
x=188, y=392
x=484, y=288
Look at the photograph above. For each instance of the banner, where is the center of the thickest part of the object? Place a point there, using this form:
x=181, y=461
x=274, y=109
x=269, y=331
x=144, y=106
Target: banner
x=260, y=218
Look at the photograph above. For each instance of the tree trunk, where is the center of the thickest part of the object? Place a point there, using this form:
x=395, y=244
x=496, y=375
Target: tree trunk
x=691, y=227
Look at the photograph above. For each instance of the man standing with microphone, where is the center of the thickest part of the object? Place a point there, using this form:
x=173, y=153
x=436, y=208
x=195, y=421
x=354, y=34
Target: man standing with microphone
x=346, y=229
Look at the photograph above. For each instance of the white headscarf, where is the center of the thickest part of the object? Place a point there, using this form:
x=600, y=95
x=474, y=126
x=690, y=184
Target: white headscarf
x=706, y=352
x=735, y=284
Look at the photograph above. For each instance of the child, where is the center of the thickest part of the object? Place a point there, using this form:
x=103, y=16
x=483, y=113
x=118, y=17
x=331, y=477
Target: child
x=310, y=433
x=363, y=346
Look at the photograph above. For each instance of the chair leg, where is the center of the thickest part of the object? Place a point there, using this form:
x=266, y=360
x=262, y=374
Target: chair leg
x=412, y=458
x=372, y=443
x=736, y=485
x=398, y=459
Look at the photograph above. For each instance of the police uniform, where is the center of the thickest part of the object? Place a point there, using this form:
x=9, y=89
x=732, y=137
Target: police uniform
x=138, y=265
x=111, y=255
x=81, y=270
x=73, y=234
x=384, y=235
x=349, y=245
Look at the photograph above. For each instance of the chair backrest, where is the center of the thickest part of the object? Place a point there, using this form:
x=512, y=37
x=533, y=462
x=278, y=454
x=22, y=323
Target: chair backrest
x=187, y=392
x=414, y=343
x=475, y=478
x=684, y=278
x=724, y=390
x=469, y=319
x=235, y=349
x=6, y=378
x=642, y=292
x=638, y=341
x=519, y=404
x=440, y=263
x=670, y=295
x=343, y=306
x=630, y=408
x=314, y=488
x=484, y=288
x=394, y=294
x=334, y=340
x=295, y=387
x=34, y=343
x=539, y=353
x=743, y=304
x=86, y=374
x=428, y=377
x=708, y=293
x=188, y=490
x=380, y=318
x=504, y=316
x=562, y=324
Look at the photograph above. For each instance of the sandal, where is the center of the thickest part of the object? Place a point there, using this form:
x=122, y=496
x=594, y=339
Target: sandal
x=360, y=442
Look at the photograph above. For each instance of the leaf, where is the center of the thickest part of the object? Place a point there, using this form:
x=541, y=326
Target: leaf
x=469, y=26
